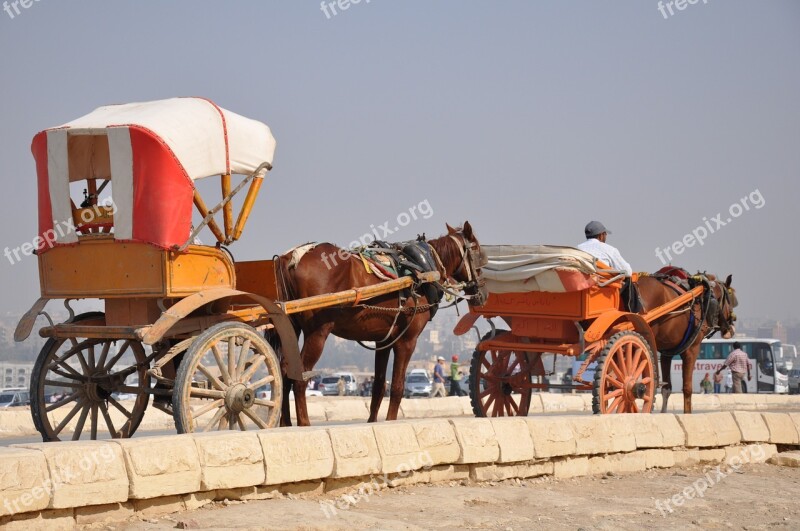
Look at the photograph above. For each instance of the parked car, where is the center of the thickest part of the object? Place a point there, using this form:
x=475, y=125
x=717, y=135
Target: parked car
x=124, y=396
x=423, y=372
x=264, y=392
x=309, y=392
x=329, y=385
x=14, y=397
x=417, y=385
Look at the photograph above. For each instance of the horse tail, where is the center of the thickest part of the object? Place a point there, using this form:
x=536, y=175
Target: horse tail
x=284, y=280
x=284, y=283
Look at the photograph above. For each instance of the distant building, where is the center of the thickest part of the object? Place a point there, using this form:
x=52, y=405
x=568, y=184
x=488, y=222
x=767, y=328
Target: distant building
x=793, y=334
x=779, y=332
x=764, y=331
x=15, y=374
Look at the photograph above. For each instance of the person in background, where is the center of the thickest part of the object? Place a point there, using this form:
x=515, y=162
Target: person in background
x=366, y=387
x=455, y=378
x=340, y=386
x=717, y=382
x=706, y=384
x=438, y=378
x=738, y=363
x=596, y=246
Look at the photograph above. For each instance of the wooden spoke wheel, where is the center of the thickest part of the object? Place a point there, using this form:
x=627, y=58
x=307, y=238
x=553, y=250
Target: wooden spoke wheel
x=499, y=383
x=75, y=387
x=228, y=379
x=625, y=380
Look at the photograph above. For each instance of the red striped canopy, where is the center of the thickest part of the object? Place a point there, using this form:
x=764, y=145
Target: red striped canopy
x=152, y=153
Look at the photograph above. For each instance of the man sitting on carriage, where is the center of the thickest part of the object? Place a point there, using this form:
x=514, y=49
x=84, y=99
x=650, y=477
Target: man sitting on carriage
x=596, y=246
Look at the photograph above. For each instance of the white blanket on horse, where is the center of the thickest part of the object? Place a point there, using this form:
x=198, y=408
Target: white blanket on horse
x=521, y=268
x=298, y=253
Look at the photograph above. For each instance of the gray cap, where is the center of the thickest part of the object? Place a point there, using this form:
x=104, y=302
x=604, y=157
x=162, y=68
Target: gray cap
x=595, y=228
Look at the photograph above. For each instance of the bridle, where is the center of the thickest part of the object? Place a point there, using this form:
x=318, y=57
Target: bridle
x=472, y=259
x=729, y=301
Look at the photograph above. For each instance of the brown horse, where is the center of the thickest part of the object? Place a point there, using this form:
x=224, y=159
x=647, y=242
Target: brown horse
x=459, y=259
x=673, y=332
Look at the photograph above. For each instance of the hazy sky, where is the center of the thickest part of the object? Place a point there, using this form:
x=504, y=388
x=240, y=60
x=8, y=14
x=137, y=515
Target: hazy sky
x=526, y=118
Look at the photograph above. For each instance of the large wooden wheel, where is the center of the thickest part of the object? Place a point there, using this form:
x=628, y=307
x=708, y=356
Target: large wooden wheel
x=499, y=382
x=219, y=379
x=625, y=380
x=74, y=383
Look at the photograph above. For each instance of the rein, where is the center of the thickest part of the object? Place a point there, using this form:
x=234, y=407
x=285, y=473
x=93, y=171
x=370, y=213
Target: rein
x=414, y=310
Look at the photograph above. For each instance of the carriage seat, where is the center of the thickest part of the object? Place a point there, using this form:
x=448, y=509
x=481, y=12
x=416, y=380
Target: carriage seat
x=549, y=268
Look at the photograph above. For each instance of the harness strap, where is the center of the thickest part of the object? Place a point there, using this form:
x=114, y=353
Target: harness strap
x=679, y=290
x=463, y=249
x=688, y=332
x=695, y=325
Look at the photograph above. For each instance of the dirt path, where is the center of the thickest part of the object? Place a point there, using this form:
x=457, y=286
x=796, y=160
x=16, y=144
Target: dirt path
x=758, y=497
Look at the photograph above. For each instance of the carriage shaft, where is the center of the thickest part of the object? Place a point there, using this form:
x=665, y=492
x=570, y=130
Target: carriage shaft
x=354, y=295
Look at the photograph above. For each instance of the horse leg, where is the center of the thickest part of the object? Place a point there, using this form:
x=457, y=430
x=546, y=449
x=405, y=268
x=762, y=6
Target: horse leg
x=313, y=343
x=274, y=341
x=403, y=350
x=286, y=414
x=666, y=376
x=379, y=383
x=689, y=357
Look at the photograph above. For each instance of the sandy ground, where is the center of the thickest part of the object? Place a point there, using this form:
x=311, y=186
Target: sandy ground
x=756, y=497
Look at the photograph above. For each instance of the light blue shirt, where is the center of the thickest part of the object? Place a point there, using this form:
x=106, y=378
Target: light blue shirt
x=607, y=254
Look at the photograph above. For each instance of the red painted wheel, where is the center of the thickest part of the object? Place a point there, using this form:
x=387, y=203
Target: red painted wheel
x=625, y=380
x=499, y=383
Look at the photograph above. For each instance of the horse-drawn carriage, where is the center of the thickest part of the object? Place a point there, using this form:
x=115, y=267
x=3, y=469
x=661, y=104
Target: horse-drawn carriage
x=182, y=322
x=560, y=300
x=185, y=323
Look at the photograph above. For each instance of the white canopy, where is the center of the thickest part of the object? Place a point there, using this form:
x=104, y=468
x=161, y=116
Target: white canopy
x=152, y=152
x=206, y=139
x=521, y=268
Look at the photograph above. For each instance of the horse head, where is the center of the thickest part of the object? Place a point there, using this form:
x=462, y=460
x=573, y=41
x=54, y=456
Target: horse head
x=468, y=267
x=726, y=297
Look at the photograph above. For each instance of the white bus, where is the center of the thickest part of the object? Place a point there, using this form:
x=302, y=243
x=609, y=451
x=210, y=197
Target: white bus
x=769, y=364
x=793, y=364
